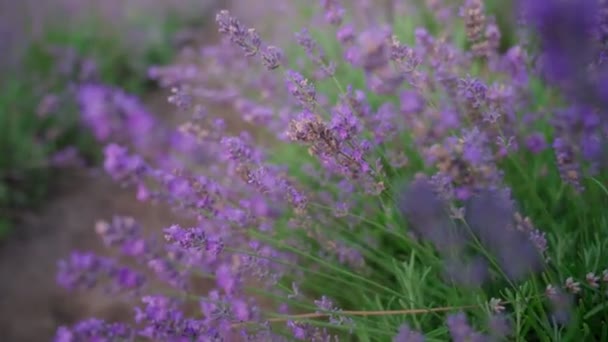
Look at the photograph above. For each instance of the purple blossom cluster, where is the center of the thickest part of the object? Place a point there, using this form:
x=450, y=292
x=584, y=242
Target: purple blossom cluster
x=107, y=111
x=489, y=218
x=115, y=117
x=95, y=330
x=280, y=183
x=572, y=59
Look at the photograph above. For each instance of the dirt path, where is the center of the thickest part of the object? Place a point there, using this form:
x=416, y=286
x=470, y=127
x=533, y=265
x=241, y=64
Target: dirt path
x=31, y=304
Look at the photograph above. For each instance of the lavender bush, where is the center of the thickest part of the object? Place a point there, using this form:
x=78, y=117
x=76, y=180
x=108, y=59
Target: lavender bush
x=399, y=172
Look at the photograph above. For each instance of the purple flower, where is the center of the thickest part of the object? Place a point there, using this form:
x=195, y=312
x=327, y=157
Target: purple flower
x=567, y=162
x=473, y=91
x=95, y=330
x=385, y=81
x=125, y=278
x=334, y=12
x=226, y=278
x=240, y=310
x=167, y=271
x=372, y=49
x=572, y=35
x=406, y=334
x=561, y=303
x=383, y=125
x=326, y=306
x=476, y=25
x=461, y=331
x=246, y=39
x=516, y=64
x=143, y=193
x=271, y=57
x=536, y=143
x=449, y=119
x=86, y=270
x=120, y=165
x=346, y=34
x=179, y=187
x=119, y=231
x=591, y=147
x=492, y=37
x=468, y=273
x=427, y=216
x=112, y=113
x=308, y=332
x=491, y=217
x=459, y=326
x=568, y=49
x=299, y=331
x=344, y=124
x=500, y=326
x=306, y=41
x=475, y=150
x=181, y=98
x=406, y=56
x=315, y=53
x=162, y=320
x=190, y=239
x=82, y=270
x=237, y=149
x=411, y=102
x=94, y=101
x=301, y=89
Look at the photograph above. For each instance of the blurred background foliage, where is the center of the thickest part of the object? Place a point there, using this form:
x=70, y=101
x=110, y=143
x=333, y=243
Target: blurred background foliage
x=51, y=47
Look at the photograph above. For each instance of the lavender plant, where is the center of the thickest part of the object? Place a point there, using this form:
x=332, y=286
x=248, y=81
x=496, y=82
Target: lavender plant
x=382, y=181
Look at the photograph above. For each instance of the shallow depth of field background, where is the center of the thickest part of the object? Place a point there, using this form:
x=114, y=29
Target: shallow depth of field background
x=46, y=210
x=53, y=189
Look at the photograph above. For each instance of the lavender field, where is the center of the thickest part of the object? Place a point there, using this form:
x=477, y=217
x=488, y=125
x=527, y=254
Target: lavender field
x=332, y=170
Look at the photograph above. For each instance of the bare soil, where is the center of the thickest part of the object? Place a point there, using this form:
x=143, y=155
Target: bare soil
x=32, y=306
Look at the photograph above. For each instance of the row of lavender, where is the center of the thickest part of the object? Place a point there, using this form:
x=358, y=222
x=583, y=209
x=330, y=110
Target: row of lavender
x=46, y=56
x=423, y=180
